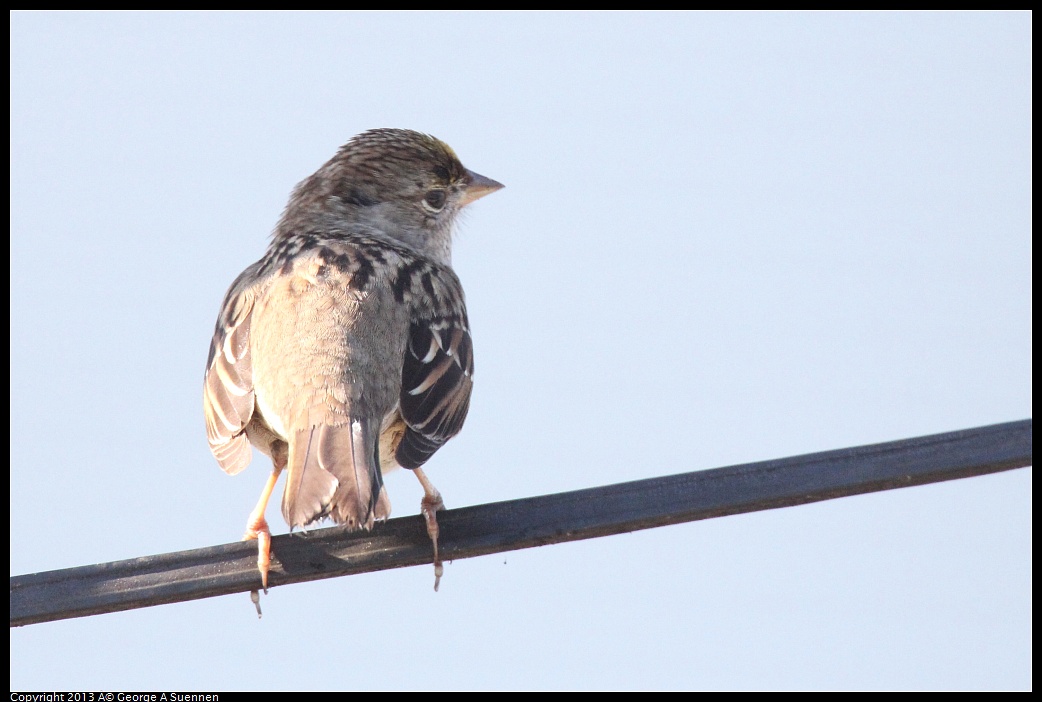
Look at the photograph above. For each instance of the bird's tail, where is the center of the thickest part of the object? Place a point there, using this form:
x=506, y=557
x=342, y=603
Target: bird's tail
x=334, y=471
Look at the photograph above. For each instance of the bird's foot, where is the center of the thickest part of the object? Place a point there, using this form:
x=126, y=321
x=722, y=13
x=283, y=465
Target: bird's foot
x=257, y=525
x=257, y=528
x=429, y=506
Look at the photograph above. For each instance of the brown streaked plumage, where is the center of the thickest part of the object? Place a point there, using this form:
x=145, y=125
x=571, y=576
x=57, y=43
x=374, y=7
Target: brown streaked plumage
x=345, y=351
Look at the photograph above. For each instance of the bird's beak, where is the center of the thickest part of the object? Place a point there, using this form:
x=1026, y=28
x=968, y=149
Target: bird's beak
x=478, y=187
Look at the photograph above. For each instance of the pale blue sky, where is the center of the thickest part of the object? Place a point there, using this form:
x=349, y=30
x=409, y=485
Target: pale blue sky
x=724, y=238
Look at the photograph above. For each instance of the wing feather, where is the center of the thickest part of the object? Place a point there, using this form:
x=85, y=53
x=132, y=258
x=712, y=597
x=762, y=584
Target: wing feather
x=436, y=385
x=228, y=397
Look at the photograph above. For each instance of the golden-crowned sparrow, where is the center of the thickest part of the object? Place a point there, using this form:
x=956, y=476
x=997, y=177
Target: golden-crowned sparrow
x=346, y=350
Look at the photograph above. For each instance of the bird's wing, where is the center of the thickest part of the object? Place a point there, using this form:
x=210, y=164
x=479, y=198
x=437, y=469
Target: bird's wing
x=436, y=383
x=228, y=397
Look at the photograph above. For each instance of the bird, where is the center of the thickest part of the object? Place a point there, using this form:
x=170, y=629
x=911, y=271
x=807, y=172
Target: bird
x=345, y=351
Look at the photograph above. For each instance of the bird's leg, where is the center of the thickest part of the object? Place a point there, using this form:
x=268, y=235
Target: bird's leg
x=429, y=505
x=257, y=528
x=257, y=525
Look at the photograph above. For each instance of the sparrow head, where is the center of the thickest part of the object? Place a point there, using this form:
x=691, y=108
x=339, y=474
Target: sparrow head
x=393, y=183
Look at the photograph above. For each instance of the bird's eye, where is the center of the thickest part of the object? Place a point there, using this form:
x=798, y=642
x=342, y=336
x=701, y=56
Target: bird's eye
x=434, y=200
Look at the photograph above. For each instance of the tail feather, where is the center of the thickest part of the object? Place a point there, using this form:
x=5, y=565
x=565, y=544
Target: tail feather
x=334, y=471
x=352, y=457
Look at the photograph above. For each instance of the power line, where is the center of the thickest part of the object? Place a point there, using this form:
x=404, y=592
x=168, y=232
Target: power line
x=517, y=524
